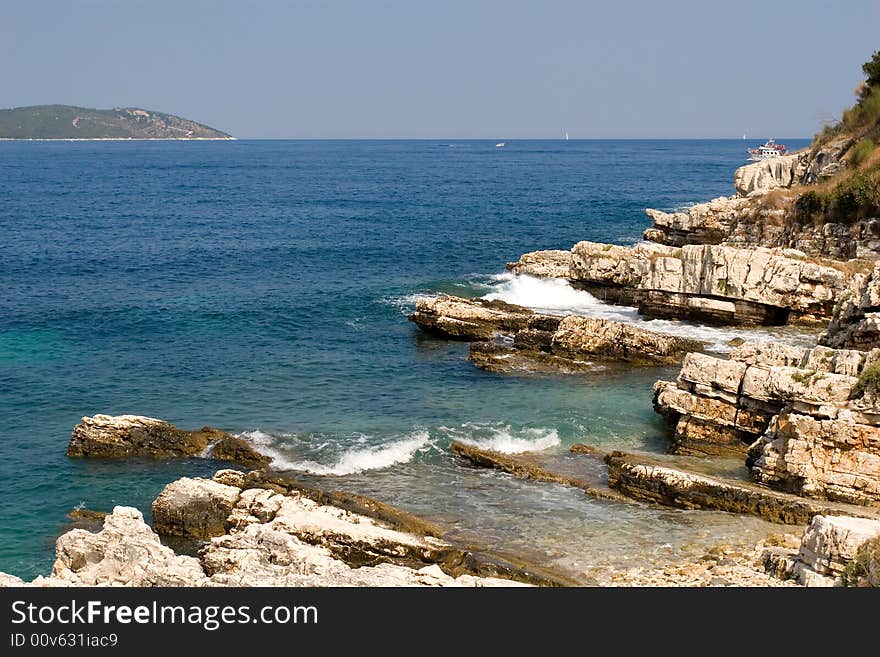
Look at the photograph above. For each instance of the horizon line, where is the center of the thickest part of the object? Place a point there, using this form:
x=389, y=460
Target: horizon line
x=513, y=139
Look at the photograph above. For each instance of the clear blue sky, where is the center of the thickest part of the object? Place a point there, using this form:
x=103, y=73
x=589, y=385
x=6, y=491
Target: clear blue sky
x=446, y=69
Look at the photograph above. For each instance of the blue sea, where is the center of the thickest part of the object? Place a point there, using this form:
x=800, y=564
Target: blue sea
x=263, y=286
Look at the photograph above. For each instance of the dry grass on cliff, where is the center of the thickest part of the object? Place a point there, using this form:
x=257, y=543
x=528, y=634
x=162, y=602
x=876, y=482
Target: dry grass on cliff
x=859, y=121
x=777, y=199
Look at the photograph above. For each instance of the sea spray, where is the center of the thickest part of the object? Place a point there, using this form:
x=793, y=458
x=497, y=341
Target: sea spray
x=352, y=461
x=557, y=296
x=504, y=438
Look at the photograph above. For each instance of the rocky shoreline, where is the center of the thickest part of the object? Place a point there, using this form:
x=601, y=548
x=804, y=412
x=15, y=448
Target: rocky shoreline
x=802, y=423
x=805, y=421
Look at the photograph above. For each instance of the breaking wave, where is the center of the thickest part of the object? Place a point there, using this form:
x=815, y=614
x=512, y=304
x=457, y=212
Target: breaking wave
x=504, y=439
x=557, y=296
x=349, y=462
x=554, y=296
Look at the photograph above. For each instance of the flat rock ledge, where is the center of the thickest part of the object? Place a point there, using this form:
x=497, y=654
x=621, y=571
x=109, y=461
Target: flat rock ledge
x=119, y=436
x=540, y=467
x=514, y=337
x=712, y=283
x=651, y=480
x=834, y=551
x=275, y=533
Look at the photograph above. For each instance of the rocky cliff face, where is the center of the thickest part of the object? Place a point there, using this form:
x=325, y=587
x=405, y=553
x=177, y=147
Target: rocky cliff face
x=856, y=320
x=712, y=283
x=769, y=174
x=704, y=223
x=810, y=437
x=828, y=547
x=746, y=222
x=719, y=406
x=750, y=220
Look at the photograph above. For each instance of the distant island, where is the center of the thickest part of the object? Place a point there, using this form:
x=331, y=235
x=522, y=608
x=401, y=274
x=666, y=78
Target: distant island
x=69, y=122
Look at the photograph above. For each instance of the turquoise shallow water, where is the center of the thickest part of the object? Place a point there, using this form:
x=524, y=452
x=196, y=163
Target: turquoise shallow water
x=262, y=287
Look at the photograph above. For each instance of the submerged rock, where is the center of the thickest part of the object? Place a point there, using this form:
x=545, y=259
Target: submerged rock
x=532, y=466
x=106, y=436
x=650, y=480
x=353, y=529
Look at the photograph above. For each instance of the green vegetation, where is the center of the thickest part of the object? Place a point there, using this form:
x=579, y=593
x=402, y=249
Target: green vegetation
x=841, y=300
x=871, y=69
x=858, y=572
x=807, y=377
x=854, y=194
x=863, y=117
x=861, y=152
x=68, y=122
x=852, y=198
x=869, y=381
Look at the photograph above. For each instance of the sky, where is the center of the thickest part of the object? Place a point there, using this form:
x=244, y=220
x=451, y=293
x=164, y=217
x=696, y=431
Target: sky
x=448, y=68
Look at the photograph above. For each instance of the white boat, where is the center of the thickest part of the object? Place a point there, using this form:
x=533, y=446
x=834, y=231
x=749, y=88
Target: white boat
x=566, y=136
x=768, y=150
x=500, y=144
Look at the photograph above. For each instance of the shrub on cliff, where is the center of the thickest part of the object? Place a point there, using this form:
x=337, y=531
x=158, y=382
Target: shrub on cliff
x=851, y=199
x=869, y=381
x=857, y=197
x=871, y=69
x=860, y=153
x=864, y=569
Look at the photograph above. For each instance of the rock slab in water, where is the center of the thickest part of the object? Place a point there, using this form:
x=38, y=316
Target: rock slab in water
x=529, y=466
x=106, y=436
x=542, y=341
x=651, y=480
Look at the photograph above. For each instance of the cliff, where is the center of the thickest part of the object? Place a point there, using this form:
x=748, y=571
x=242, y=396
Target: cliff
x=711, y=283
x=69, y=122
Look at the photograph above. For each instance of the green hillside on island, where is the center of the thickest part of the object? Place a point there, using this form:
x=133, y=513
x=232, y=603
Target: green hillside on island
x=69, y=122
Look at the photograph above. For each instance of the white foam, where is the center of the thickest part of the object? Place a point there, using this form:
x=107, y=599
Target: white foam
x=557, y=296
x=406, y=303
x=504, y=439
x=554, y=296
x=350, y=462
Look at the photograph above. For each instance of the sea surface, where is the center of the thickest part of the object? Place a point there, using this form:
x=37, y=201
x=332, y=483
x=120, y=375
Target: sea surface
x=263, y=286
